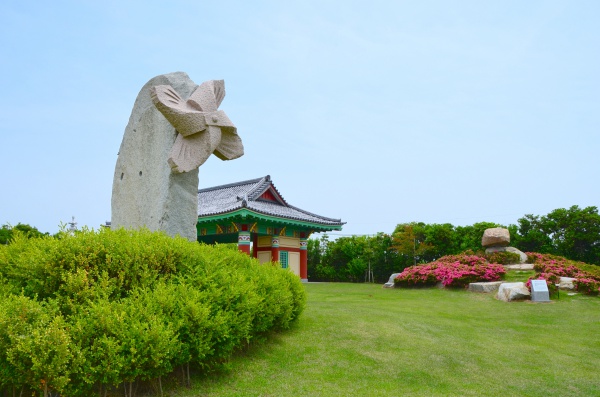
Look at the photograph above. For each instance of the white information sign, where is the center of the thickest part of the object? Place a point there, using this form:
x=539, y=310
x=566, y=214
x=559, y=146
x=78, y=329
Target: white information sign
x=539, y=291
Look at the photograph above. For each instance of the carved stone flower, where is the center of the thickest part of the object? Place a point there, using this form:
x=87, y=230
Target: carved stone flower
x=202, y=128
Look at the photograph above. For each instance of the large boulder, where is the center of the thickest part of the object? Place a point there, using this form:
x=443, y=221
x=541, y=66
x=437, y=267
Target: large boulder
x=495, y=237
x=513, y=291
x=522, y=255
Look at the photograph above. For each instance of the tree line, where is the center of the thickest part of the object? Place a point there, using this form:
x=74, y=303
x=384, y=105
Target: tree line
x=573, y=233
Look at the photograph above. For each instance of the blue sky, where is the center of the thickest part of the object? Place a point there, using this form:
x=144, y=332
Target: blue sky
x=378, y=112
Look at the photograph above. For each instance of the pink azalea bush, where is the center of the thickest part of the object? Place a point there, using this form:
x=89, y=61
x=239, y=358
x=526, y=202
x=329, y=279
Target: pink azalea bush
x=452, y=271
x=588, y=286
x=551, y=268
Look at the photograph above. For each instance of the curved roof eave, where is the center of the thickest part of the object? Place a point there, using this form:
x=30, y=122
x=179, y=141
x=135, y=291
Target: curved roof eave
x=245, y=212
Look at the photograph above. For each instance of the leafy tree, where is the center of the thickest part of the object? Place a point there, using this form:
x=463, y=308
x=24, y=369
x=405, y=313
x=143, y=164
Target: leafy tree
x=575, y=233
x=349, y=258
x=409, y=241
x=530, y=235
x=315, y=250
x=442, y=238
x=7, y=231
x=384, y=259
x=469, y=237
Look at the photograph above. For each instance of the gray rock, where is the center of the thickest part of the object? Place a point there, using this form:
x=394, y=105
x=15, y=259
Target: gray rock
x=151, y=186
x=566, y=283
x=522, y=255
x=485, y=287
x=513, y=291
x=390, y=283
x=495, y=237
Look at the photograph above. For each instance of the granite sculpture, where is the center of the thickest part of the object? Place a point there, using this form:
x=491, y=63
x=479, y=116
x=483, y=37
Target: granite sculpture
x=175, y=125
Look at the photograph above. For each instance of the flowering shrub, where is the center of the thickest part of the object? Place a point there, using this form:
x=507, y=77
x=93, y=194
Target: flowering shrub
x=465, y=259
x=588, y=286
x=551, y=268
x=452, y=271
x=420, y=275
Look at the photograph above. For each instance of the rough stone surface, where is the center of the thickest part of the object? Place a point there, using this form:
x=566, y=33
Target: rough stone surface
x=566, y=283
x=495, y=237
x=390, y=283
x=485, y=287
x=146, y=191
x=513, y=291
x=522, y=255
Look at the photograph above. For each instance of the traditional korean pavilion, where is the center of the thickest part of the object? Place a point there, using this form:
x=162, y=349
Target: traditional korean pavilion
x=255, y=212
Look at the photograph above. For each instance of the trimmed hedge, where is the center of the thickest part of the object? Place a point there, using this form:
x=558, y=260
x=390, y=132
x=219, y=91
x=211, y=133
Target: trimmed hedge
x=84, y=313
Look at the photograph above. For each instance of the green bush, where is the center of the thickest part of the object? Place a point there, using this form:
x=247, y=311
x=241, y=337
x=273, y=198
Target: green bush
x=502, y=257
x=84, y=313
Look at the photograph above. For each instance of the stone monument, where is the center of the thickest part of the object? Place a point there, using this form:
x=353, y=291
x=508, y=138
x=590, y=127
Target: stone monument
x=175, y=125
x=539, y=291
x=497, y=239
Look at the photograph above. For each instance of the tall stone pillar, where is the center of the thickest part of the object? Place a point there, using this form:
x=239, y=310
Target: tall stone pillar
x=303, y=259
x=244, y=241
x=275, y=248
x=175, y=125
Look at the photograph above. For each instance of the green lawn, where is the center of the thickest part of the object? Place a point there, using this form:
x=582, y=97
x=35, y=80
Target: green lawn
x=363, y=340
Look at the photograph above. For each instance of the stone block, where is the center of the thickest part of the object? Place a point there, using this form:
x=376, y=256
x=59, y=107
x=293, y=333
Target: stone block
x=513, y=291
x=566, y=283
x=495, y=237
x=485, y=287
x=521, y=266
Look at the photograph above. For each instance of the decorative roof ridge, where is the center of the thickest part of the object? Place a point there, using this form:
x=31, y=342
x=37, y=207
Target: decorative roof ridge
x=255, y=193
x=228, y=185
x=317, y=215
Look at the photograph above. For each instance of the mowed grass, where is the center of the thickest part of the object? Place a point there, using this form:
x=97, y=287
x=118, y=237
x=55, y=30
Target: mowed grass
x=363, y=340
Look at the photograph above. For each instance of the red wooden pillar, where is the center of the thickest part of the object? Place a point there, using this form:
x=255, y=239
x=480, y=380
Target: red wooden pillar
x=255, y=245
x=303, y=259
x=275, y=248
x=244, y=242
